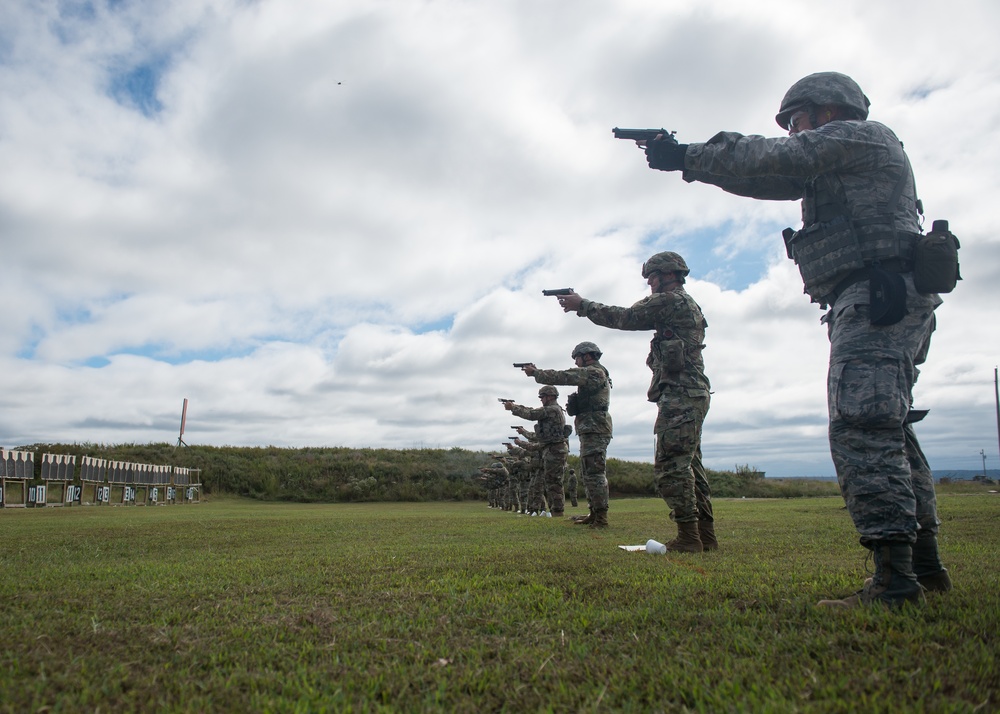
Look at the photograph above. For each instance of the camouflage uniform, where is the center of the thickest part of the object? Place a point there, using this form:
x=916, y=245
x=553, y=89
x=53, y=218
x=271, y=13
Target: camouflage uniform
x=592, y=422
x=572, y=486
x=496, y=476
x=846, y=173
x=514, y=497
x=521, y=473
x=682, y=396
x=508, y=492
x=552, y=447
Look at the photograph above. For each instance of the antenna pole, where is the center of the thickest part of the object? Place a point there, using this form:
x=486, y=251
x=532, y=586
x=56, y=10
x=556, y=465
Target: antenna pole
x=184, y=413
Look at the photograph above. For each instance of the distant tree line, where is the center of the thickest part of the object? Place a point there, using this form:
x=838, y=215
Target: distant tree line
x=342, y=474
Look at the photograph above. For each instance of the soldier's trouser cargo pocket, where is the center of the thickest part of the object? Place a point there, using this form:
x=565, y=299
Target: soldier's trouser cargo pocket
x=868, y=393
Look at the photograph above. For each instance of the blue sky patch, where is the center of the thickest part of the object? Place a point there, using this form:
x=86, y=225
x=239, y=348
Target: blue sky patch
x=443, y=325
x=136, y=87
x=701, y=250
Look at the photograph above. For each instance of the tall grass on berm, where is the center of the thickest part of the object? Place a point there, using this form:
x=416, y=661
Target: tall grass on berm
x=238, y=605
x=340, y=474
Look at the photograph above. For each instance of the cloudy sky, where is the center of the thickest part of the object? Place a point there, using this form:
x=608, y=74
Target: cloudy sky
x=329, y=223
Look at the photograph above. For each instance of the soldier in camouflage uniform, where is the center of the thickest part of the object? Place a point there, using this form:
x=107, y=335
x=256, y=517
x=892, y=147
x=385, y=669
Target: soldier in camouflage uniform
x=496, y=477
x=508, y=494
x=521, y=471
x=855, y=251
x=679, y=387
x=551, y=443
x=571, y=487
x=529, y=468
x=513, y=495
x=531, y=478
x=589, y=404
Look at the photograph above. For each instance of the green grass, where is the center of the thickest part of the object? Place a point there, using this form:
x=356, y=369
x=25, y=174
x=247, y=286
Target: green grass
x=236, y=605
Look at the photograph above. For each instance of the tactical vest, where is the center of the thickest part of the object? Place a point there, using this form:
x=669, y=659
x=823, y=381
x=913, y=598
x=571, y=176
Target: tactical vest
x=832, y=250
x=550, y=429
x=675, y=355
x=592, y=399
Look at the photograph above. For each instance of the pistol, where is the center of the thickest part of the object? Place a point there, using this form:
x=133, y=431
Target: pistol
x=644, y=134
x=557, y=291
x=505, y=401
x=521, y=365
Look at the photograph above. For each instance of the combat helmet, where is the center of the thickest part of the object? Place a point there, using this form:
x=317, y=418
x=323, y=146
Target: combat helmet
x=586, y=348
x=820, y=89
x=548, y=389
x=666, y=262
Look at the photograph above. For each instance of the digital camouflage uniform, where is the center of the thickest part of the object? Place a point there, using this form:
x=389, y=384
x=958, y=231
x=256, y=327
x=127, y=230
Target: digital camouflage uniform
x=592, y=423
x=682, y=396
x=522, y=475
x=496, y=477
x=572, y=486
x=521, y=470
x=551, y=445
x=855, y=165
x=859, y=210
x=508, y=491
x=513, y=501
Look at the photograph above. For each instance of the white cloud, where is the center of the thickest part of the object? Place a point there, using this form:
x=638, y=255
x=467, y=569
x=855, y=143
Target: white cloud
x=332, y=223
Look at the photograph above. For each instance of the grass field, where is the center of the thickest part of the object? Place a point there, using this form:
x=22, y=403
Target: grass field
x=241, y=606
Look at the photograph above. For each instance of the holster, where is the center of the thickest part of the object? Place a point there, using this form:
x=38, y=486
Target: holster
x=886, y=297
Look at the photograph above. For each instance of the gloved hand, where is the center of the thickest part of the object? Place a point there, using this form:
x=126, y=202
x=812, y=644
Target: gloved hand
x=665, y=155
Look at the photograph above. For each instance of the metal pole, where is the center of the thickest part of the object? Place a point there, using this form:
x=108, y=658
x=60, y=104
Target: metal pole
x=996, y=392
x=184, y=412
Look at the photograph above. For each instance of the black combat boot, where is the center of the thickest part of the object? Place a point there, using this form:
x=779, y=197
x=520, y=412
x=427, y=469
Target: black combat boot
x=927, y=566
x=893, y=583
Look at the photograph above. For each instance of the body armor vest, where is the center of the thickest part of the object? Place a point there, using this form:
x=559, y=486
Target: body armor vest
x=833, y=248
x=590, y=399
x=550, y=428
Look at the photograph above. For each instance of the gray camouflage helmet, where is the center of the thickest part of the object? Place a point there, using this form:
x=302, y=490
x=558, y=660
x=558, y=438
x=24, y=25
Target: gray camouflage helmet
x=548, y=389
x=666, y=262
x=819, y=90
x=586, y=348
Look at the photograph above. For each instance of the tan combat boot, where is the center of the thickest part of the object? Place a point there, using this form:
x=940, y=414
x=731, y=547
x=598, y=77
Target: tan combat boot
x=583, y=520
x=687, y=540
x=600, y=519
x=706, y=531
